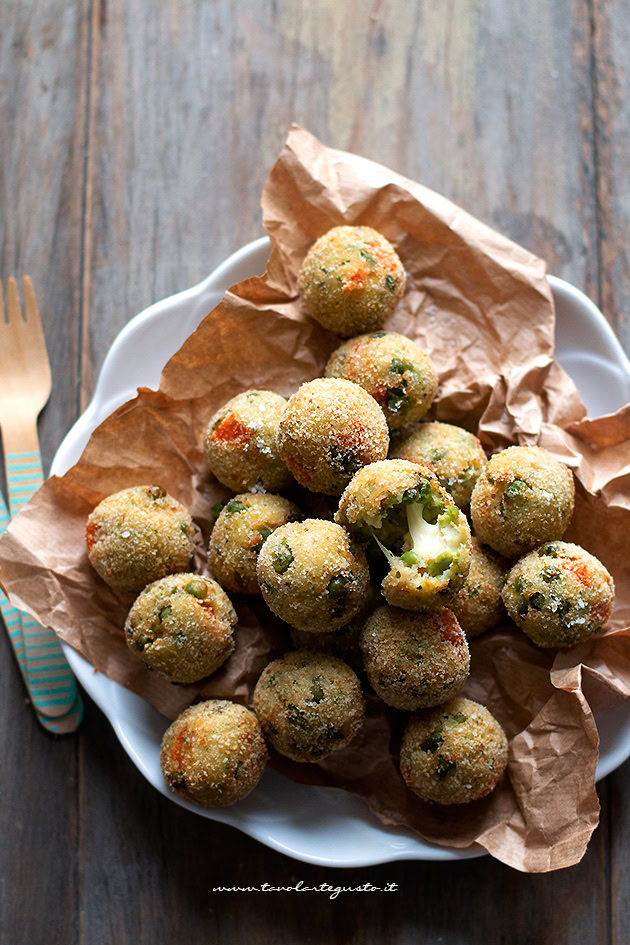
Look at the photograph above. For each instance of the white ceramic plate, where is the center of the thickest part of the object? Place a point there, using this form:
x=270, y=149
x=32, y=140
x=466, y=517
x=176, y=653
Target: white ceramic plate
x=316, y=825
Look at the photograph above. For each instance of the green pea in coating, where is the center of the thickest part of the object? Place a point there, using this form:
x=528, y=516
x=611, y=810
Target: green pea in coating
x=393, y=369
x=214, y=753
x=523, y=497
x=182, y=627
x=312, y=575
x=242, y=528
x=453, y=754
x=478, y=605
x=241, y=442
x=309, y=704
x=420, y=530
x=138, y=535
x=331, y=428
x=351, y=280
x=559, y=594
x=414, y=661
x=454, y=454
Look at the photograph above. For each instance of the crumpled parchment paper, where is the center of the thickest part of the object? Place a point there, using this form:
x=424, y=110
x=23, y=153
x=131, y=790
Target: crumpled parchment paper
x=482, y=308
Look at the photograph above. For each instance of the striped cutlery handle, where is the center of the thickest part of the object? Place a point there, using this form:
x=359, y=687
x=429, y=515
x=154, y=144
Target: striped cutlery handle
x=50, y=680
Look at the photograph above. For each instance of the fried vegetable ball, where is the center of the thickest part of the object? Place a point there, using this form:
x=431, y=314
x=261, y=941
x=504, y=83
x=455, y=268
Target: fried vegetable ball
x=454, y=454
x=393, y=369
x=420, y=530
x=214, y=753
x=240, y=531
x=351, y=280
x=312, y=575
x=523, y=497
x=478, y=606
x=138, y=535
x=241, y=442
x=414, y=661
x=453, y=754
x=182, y=627
x=331, y=428
x=559, y=594
x=309, y=704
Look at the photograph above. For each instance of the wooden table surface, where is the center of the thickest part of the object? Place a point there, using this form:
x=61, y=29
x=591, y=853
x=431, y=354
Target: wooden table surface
x=135, y=138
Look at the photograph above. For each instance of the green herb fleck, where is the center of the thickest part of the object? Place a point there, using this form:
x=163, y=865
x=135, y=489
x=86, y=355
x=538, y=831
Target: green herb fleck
x=165, y=612
x=522, y=607
x=432, y=742
x=282, y=557
x=368, y=257
x=390, y=282
x=518, y=584
x=537, y=600
x=156, y=492
x=459, y=717
x=264, y=535
x=548, y=551
x=235, y=506
x=444, y=767
x=296, y=716
x=436, y=455
x=316, y=690
x=432, y=510
x=397, y=397
x=217, y=508
x=239, y=765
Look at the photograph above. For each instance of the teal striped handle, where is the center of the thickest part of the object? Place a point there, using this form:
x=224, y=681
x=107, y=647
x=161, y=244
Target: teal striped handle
x=49, y=679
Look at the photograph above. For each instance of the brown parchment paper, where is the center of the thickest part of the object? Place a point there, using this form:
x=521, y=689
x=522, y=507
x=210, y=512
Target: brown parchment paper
x=482, y=307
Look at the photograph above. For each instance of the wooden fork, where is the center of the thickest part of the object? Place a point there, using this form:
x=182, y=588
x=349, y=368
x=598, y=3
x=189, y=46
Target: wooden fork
x=25, y=384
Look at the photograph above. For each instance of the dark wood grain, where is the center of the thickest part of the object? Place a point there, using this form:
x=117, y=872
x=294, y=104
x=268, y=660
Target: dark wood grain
x=136, y=140
x=43, y=60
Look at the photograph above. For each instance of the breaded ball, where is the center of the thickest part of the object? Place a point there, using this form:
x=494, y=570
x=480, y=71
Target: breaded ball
x=420, y=530
x=559, y=594
x=309, y=704
x=312, y=575
x=331, y=428
x=182, y=627
x=453, y=754
x=351, y=280
x=454, y=454
x=214, y=753
x=241, y=529
x=393, y=369
x=523, y=497
x=478, y=606
x=414, y=661
x=138, y=535
x=241, y=442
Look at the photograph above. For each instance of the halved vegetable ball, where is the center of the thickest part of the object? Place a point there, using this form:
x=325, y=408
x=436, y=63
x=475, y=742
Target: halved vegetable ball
x=182, y=627
x=138, y=535
x=351, y=280
x=393, y=369
x=420, y=530
x=312, y=575
x=414, y=661
x=523, y=497
x=454, y=454
x=559, y=594
x=331, y=428
x=214, y=753
x=240, y=531
x=309, y=704
x=241, y=442
x=453, y=754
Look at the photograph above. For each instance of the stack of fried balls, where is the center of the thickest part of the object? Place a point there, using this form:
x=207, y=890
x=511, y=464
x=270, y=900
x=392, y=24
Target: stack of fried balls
x=430, y=544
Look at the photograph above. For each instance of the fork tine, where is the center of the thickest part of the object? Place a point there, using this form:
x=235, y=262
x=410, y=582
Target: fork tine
x=30, y=303
x=1, y=305
x=15, y=314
